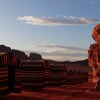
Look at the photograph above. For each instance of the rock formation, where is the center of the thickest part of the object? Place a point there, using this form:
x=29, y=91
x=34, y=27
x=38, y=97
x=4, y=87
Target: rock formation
x=35, y=56
x=20, y=54
x=4, y=48
x=94, y=56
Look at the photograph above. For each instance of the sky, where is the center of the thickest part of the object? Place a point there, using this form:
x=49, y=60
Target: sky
x=57, y=29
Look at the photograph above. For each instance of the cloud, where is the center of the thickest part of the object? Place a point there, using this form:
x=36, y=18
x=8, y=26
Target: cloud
x=65, y=54
x=59, y=20
x=60, y=52
x=63, y=58
x=61, y=47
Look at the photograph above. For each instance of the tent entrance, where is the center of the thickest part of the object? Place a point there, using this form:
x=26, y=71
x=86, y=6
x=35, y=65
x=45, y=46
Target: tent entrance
x=11, y=78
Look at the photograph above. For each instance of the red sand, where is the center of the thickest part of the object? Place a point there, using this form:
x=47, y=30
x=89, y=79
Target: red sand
x=83, y=91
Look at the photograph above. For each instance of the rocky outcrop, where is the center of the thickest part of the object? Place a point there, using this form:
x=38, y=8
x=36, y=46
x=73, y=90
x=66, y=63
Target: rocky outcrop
x=94, y=56
x=96, y=33
x=4, y=48
x=21, y=54
x=35, y=56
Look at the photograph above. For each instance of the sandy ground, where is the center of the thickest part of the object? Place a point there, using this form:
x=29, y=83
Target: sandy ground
x=83, y=91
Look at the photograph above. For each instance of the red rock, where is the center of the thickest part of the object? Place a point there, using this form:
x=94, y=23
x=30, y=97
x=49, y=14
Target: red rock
x=94, y=56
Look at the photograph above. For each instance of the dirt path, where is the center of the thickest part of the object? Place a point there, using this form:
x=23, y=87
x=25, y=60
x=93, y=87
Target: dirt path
x=83, y=91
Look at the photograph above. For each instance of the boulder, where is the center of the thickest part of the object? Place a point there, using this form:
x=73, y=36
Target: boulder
x=35, y=56
x=96, y=33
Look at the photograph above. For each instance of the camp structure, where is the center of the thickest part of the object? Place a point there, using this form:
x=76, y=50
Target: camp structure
x=4, y=61
x=56, y=74
x=33, y=75
x=14, y=73
x=10, y=74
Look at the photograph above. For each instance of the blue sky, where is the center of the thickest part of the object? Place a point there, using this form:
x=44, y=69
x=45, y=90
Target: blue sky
x=57, y=29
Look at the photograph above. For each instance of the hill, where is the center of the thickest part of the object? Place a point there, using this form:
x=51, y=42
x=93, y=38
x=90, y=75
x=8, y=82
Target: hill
x=81, y=62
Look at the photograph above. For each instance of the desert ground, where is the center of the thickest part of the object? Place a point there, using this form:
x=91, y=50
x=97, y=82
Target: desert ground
x=85, y=91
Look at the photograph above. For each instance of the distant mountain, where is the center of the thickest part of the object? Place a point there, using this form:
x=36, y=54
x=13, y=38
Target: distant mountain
x=81, y=62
